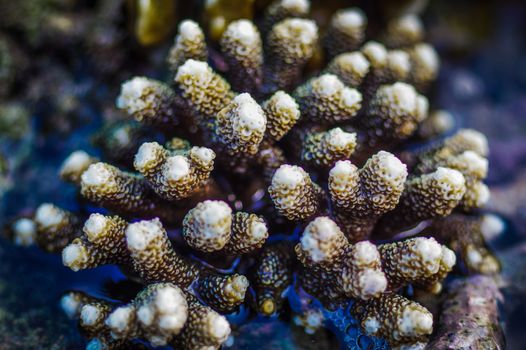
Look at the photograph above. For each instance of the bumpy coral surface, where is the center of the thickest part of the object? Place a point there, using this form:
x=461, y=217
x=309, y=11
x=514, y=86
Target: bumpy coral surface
x=253, y=143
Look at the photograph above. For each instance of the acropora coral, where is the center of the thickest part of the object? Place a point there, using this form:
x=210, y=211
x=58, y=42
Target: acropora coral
x=264, y=176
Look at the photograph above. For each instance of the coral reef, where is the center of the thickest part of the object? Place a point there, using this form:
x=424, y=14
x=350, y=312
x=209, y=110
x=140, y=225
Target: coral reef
x=251, y=174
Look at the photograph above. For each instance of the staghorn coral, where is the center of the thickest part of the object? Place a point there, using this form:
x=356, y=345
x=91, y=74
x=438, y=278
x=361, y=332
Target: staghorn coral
x=291, y=44
x=55, y=227
x=282, y=113
x=204, y=328
x=223, y=293
x=326, y=100
x=439, y=122
x=211, y=227
x=465, y=151
x=293, y=193
x=279, y=10
x=23, y=232
x=154, y=20
x=126, y=193
x=75, y=165
x=218, y=14
x=250, y=145
x=324, y=149
x=205, y=92
x=365, y=271
x=361, y=196
x=466, y=235
x=404, y=31
x=240, y=126
x=351, y=68
x=394, y=113
x=242, y=47
x=189, y=44
x=425, y=197
x=399, y=320
x=311, y=320
x=174, y=175
x=353, y=271
x=103, y=242
x=153, y=257
x=157, y=314
x=207, y=227
x=417, y=261
x=272, y=275
x=147, y=100
x=346, y=31
x=161, y=313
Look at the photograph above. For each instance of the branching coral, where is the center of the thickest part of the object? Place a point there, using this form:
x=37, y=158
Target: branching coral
x=251, y=145
x=361, y=196
x=399, y=320
x=272, y=275
x=293, y=193
x=211, y=226
x=174, y=175
x=103, y=242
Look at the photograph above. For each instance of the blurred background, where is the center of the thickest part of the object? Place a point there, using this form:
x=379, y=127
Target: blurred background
x=61, y=65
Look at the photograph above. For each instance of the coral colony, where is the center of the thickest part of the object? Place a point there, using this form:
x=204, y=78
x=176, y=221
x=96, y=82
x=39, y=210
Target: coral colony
x=270, y=180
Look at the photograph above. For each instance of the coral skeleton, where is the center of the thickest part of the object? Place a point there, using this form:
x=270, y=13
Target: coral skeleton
x=467, y=323
x=278, y=157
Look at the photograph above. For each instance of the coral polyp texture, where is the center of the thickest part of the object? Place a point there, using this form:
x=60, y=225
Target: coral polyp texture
x=276, y=160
